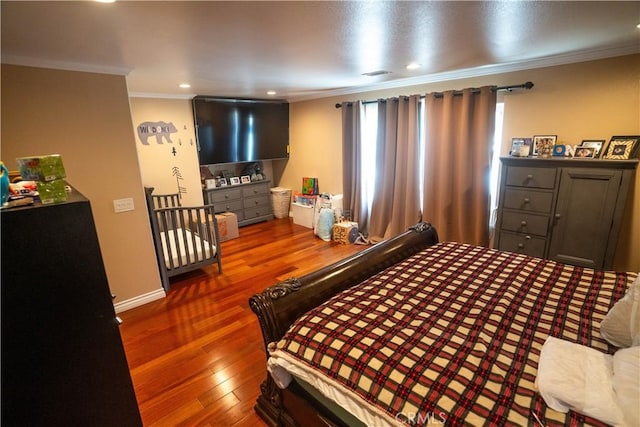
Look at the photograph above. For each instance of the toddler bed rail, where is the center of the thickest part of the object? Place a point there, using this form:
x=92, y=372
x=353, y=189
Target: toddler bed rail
x=185, y=238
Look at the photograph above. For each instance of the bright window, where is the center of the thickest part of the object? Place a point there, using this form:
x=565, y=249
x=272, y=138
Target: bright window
x=369, y=134
x=494, y=174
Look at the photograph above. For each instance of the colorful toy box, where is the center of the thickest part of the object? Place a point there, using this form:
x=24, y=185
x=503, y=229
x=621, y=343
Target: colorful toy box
x=41, y=168
x=52, y=191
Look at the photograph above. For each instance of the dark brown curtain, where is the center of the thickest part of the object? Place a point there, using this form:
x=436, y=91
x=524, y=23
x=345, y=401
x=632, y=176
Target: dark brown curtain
x=396, y=202
x=459, y=138
x=352, y=164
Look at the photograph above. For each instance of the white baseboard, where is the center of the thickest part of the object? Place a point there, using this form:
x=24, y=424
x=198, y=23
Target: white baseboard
x=139, y=300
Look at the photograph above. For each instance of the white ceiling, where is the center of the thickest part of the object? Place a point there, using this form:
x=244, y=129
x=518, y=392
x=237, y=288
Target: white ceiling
x=309, y=49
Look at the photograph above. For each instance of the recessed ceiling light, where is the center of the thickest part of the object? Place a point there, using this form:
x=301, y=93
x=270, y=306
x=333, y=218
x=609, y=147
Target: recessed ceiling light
x=184, y=85
x=271, y=92
x=106, y=1
x=413, y=66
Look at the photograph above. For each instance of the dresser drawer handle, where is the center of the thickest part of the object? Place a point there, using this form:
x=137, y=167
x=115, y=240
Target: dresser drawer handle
x=523, y=223
x=527, y=200
x=530, y=176
x=520, y=245
x=226, y=196
x=527, y=237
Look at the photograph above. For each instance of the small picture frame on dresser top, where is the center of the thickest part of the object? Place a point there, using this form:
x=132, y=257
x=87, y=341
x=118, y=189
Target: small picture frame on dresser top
x=520, y=147
x=235, y=180
x=516, y=146
x=622, y=147
x=543, y=145
x=245, y=179
x=222, y=182
x=584, y=153
x=593, y=143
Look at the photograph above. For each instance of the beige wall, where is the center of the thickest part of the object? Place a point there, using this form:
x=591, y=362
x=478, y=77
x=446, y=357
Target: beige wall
x=591, y=100
x=85, y=117
x=157, y=161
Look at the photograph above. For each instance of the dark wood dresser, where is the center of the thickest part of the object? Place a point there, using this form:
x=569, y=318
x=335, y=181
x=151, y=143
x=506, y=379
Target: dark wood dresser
x=63, y=363
x=568, y=210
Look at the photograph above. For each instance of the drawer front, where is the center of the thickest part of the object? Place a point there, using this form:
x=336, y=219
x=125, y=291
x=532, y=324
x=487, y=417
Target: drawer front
x=531, y=177
x=522, y=222
x=527, y=200
x=522, y=243
x=256, y=190
x=253, y=202
x=224, y=195
x=239, y=214
x=228, y=206
x=257, y=211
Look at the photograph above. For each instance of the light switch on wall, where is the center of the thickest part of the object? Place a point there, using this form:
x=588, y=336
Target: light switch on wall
x=123, y=205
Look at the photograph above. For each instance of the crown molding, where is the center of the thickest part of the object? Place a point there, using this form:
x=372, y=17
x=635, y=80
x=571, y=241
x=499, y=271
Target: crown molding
x=62, y=65
x=526, y=64
x=188, y=96
x=486, y=70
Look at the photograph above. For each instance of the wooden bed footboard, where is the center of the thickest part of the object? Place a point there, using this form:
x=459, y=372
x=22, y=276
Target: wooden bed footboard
x=278, y=306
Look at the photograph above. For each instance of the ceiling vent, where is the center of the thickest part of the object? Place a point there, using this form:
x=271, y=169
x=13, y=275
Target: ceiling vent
x=376, y=73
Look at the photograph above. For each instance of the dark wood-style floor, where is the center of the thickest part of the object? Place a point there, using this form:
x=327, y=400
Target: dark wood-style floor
x=196, y=357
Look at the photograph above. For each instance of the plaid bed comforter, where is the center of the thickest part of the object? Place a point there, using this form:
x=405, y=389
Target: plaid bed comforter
x=453, y=334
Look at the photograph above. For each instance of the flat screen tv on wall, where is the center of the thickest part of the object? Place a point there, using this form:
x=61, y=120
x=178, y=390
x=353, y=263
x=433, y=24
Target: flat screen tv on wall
x=240, y=130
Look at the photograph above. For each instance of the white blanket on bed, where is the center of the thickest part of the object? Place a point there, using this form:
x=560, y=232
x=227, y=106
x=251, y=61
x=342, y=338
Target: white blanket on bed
x=177, y=239
x=576, y=377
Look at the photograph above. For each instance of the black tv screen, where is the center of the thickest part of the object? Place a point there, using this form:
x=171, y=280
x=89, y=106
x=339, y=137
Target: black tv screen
x=240, y=130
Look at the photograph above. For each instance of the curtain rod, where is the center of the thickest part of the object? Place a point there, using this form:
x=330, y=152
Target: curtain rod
x=526, y=85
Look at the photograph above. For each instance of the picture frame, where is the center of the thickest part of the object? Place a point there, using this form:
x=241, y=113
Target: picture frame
x=527, y=147
x=516, y=147
x=594, y=143
x=622, y=147
x=584, y=152
x=235, y=180
x=222, y=182
x=245, y=179
x=543, y=145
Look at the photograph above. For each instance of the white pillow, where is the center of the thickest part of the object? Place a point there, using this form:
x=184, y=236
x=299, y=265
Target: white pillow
x=626, y=383
x=621, y=326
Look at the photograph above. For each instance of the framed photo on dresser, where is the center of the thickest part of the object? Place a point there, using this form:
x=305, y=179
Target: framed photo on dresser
x=622, y=147
x=543, y=145
x=593, y=143
x=584, y=152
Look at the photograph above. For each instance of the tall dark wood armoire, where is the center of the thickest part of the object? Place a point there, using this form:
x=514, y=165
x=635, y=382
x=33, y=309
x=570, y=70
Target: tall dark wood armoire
x=568, y=210
x=63, y=362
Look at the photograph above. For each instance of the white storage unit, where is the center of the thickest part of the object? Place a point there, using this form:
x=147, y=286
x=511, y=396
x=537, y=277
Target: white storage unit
x=303, y=214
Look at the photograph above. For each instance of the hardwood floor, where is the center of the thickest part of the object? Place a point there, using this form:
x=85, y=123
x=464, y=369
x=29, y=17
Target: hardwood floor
x=196, y=357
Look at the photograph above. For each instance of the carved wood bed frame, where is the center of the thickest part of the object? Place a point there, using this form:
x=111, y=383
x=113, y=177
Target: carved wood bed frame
x=278, y=306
